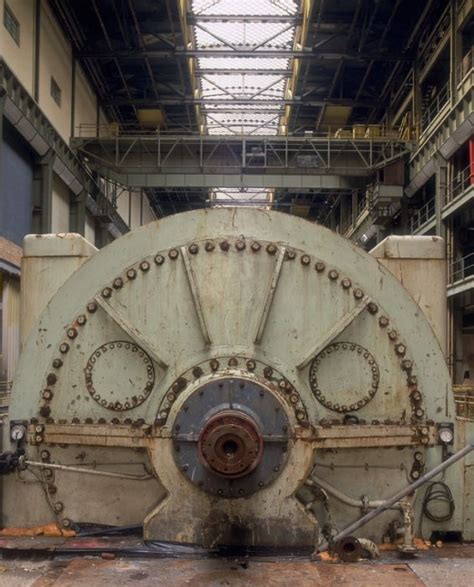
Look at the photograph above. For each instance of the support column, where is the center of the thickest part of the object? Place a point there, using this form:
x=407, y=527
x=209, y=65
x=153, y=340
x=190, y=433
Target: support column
x=455, y=52
x=77, y=214
x=354, y=203
x=43, y=194
x=471, y=159
x=440, y=194
x=416, y=111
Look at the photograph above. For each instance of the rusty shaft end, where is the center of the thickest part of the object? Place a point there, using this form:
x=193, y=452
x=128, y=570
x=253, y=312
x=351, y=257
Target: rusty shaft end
x=230, y=444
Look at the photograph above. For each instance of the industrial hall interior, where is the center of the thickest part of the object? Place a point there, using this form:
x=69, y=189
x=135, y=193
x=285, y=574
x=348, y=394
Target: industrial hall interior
x=237, y=291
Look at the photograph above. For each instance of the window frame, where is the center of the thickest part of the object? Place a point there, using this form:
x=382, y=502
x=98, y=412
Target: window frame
x=55, y=91
x=11, y=23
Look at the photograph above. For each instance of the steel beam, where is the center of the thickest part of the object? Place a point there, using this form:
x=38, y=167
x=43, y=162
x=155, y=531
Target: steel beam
x=238, y=102
x=270, y=18
x=266, y=72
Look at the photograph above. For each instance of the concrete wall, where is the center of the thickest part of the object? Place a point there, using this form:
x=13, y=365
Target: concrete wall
x=134, y=208
x=85, y=107
x=55, y=61
x=60, y=206
x=20, y=58
x=90, y=228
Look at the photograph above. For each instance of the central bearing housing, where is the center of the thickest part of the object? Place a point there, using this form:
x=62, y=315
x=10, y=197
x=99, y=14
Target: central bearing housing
x=230, y=436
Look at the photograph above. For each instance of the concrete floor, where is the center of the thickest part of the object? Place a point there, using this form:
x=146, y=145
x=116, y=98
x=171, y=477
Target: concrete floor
x=450, y=566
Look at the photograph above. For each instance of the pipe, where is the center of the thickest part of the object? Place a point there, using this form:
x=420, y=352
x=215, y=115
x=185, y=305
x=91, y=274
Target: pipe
x=355, y=503
x=85, y=471
x=400, y=495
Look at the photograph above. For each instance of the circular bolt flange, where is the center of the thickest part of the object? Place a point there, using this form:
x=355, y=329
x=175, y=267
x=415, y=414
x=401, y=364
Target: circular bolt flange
x=159, y=259
x=173, y=254
x=230, y=444
x=348, y=549
x=193, y=249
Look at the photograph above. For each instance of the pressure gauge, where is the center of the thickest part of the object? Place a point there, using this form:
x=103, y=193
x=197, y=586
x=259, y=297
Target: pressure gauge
x=18, y=432
x=446, y=433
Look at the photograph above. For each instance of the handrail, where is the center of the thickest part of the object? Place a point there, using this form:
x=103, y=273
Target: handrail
x=459, y=184
x=436, y=105
x=422, y=215
x=465, y=66
x=461, y=268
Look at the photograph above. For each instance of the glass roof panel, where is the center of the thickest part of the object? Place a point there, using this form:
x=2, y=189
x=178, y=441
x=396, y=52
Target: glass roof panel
x=251, y=100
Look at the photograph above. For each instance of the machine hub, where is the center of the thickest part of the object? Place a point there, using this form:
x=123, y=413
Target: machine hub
x=231, y=435
x=231, y=444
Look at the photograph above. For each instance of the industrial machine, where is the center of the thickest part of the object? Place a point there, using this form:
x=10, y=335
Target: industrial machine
x=229, y=376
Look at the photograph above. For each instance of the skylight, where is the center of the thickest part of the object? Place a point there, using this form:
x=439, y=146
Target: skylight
x=243, y=93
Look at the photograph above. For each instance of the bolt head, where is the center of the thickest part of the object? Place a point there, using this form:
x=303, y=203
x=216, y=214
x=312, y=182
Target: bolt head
x=209, y=246
x=240, y=245
x=333, y=274
x=346, y=283
x=193, y=249
x=320, y=266
x=173, y=254
x=224, y=245
x=57, y=363
x=71, y=333
x=144, y=266
x=271, y=249
x=118, y=283
x=159, y=259
x=131, y=274
x=91, y=307
x=255, y=246
x=305, y=260
x=81, y=320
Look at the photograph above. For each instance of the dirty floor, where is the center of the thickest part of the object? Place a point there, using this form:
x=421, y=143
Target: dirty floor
x=451, y=566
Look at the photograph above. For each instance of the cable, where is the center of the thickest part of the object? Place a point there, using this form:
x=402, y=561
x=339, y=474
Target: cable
x=438, y=491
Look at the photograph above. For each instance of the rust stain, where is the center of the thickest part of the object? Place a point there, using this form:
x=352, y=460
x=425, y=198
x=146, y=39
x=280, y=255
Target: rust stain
x=46, y=530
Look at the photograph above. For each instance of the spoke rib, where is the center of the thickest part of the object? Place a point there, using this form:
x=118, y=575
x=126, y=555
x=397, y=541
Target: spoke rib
x=334, y=331
x=131, y=331
x=270, y=295
x=195, y=294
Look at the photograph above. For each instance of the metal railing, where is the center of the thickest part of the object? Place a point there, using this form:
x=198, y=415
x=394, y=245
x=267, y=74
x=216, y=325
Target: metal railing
x=422, y=215
x=460, y=184
x=435, y=106
x=465, y=67
x=464, y=401
x=462, y=268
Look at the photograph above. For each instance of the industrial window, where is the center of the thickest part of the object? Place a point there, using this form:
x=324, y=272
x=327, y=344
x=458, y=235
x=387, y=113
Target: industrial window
x=11, y=23
x=55, y=91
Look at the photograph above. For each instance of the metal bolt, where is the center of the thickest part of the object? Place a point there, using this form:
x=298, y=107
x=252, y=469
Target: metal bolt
x=255, y=246
x=233, y=362
x=276, y=468
x=193, y=249
x=224, y=245
x=38, y=438
x=44, y=455
x=400, y=349
x=393, y=335
x=144, y=266
x=209, y=246
x=66, y=523
x=91, y=307
x=71, y=333
x=373, y=308
x=118, y=283
x=47, y=473
x=251, y=365
x=358, y=294
x=282, y=384
x=197, y=372
x=57, y=363
x=320, y=266
x=407, y=364
x=173, y=254
x=159, y=259
x=260, y=484
x=214, y=364
x=346, y=283
x=131, y=273
x=106, y=292
x=333, y=274
x=81, y=320
x=58, y=507
x=290, y=255
x=415, y=474
x=305, y=260
x=383, y=321
x=45, y=411
x=240, y=245
x=47, y=394
x=412, y=380
x=268, y=372
x=271, y=249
